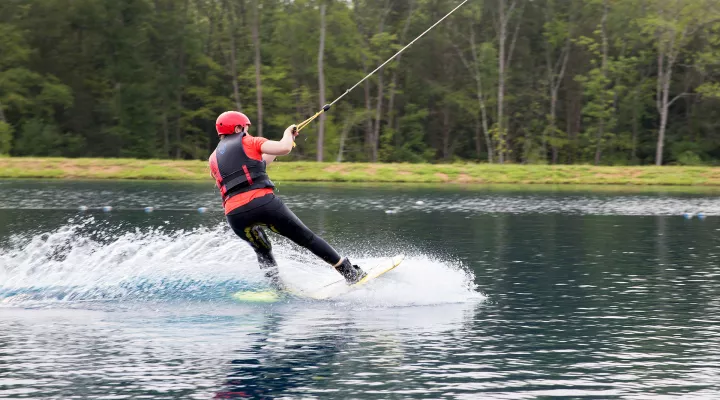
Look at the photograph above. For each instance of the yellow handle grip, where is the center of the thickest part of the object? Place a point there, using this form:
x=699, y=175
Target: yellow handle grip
x=305, y=123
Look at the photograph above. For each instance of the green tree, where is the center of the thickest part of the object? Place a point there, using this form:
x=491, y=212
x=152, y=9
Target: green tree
x=673, y=25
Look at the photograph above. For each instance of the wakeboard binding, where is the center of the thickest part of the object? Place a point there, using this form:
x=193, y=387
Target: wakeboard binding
x=352, y=273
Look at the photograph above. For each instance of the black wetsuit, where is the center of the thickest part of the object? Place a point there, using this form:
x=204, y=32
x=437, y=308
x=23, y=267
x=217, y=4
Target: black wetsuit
x=236, y=173
x=269, y=211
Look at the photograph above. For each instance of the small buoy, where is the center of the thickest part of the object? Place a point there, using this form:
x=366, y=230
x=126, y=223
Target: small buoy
x=687, y=216
x=82, y=208
x=701, y=216
x=390, y=211
x=149, y=209
x=419, y=202
x=202, y=209
x=107, y=208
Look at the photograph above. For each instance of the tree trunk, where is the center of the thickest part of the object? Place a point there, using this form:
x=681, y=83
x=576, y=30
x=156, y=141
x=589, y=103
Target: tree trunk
x=366, y=87
x=663, y=118
x=258, y=64
x=573, y=100
x=446, y=134
x=553, y=128
x=166, y=135
x=391, y=100
x=478, y=137
x=2, y=113
x=551, y=81
x=554, y=81
x=321, y=85
x=502, y=35
x=601, y=127
x=633, y=153
x=598, y=136
x=503, y=64
x=380, y=91
x=368, y=110
x=665, y=71
x=181, y=72
x=233, y=57
x=207, y=44
x=510, y=52
x=378, y=116
x=178, y=125
x=393, y=82
x=343, y=137
x=481, y=100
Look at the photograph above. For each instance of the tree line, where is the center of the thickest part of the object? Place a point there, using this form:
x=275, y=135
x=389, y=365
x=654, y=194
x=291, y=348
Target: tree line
x=521, y=81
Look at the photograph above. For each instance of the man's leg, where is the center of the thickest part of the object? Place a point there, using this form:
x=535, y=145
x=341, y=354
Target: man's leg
x=286, y=223
x=259, y=241
x=254, y=235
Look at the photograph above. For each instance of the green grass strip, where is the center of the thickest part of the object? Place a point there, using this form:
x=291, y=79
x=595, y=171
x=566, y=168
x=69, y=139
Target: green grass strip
x=467, y=173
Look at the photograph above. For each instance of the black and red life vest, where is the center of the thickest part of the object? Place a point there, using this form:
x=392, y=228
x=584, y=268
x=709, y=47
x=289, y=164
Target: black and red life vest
x=234, y=171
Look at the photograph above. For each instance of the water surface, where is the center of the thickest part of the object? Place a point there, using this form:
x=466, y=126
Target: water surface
x=505, y=294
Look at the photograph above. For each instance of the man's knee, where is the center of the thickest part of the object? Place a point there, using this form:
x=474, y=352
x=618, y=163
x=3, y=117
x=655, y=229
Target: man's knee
x=261, y=238
x=263, y=248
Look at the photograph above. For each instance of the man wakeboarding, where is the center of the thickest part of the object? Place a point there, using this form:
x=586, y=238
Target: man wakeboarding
x=238, y=165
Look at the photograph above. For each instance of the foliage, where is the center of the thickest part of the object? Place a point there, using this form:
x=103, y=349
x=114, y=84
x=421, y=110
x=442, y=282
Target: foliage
x=5, y=138
x=147, y=78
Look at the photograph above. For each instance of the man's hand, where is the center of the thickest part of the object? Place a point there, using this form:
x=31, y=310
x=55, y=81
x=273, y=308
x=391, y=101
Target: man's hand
x=293, y=131
x=283, y=146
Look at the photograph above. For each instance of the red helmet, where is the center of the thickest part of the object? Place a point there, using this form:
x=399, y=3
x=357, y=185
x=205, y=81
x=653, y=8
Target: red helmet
x=227, y=121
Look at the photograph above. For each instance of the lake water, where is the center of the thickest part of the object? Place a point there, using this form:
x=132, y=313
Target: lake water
x=505, y=293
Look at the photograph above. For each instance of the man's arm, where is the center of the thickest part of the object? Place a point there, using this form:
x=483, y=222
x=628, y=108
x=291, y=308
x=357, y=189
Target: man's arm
x=279, y=147
x=268, y=158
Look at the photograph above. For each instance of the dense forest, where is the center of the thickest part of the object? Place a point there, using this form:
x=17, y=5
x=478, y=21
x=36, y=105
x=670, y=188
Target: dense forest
x=521, y=81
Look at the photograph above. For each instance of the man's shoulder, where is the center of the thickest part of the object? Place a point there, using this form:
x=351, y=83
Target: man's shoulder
x=254, y=144
x=254, y=139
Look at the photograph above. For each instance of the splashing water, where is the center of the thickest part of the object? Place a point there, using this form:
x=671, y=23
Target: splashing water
x=86, y=262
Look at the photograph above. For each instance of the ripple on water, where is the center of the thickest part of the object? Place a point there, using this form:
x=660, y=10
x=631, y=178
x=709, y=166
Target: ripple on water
x=190, y=196
x=565, y=305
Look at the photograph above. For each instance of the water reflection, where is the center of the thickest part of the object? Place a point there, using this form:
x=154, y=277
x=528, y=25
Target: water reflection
x=343, y=354
x=578, y=304
x=268, y=368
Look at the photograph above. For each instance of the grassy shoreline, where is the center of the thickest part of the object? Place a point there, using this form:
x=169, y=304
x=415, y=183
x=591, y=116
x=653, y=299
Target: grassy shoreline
x=95, y=168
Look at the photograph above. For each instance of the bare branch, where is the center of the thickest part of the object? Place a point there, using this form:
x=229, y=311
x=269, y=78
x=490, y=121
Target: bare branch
x=510, y=11
x=562, y=70
x=462, y=56
x=661, y=74
x=678, y=97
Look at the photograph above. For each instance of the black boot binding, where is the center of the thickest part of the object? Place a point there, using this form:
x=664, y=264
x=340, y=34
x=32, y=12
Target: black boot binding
x=273, y=276
x=352, y=273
